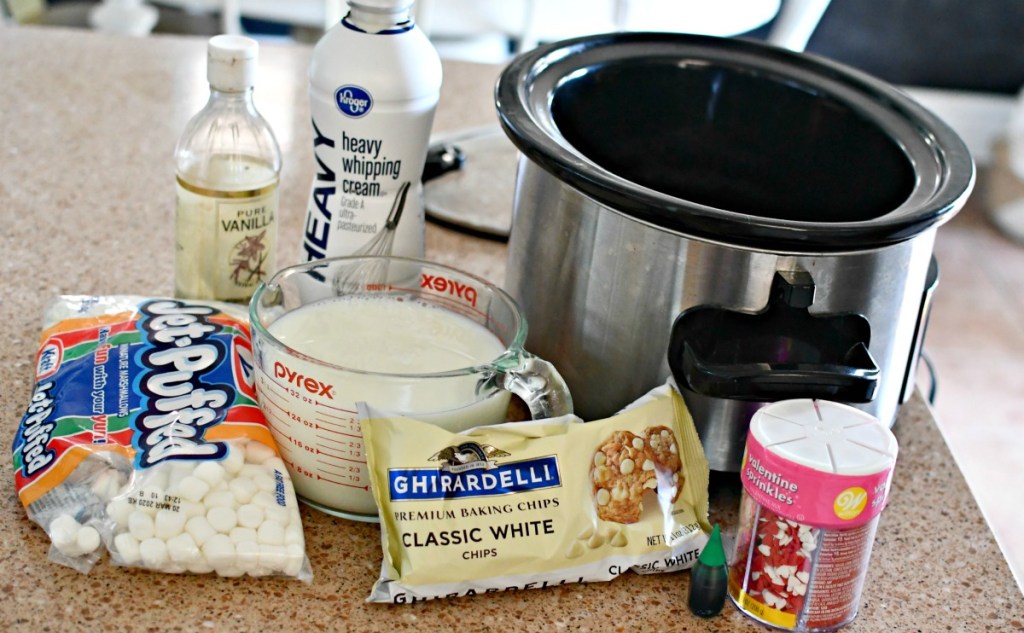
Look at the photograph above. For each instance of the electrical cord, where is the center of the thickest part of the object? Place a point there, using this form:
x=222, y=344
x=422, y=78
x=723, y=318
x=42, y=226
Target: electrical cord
x=932, y=377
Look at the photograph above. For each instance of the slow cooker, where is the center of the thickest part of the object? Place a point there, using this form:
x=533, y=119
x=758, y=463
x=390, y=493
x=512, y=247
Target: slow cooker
x=756, y=222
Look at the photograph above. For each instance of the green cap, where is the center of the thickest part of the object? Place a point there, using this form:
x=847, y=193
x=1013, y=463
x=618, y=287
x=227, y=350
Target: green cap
x=713, y=554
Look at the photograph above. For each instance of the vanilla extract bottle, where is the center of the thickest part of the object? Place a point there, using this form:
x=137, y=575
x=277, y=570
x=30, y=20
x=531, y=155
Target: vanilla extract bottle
x=228, y=168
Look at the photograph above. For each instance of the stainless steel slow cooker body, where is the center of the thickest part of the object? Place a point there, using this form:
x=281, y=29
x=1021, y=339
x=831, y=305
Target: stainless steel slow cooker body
x=669, y=184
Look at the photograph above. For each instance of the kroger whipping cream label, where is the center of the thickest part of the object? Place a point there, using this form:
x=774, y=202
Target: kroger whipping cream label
x=535, y=504
x=372, y=101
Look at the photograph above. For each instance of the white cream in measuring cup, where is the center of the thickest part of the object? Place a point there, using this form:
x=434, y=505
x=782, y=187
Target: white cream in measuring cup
x=428, y=341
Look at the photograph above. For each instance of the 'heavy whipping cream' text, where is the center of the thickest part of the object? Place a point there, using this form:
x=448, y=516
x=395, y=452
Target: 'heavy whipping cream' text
x=349, y=175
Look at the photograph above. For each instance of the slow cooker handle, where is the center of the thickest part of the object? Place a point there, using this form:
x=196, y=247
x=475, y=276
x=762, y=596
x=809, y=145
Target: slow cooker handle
x=782, y=352
x=854, y=381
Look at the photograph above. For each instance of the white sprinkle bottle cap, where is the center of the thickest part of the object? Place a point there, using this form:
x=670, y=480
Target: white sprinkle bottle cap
x=826, y=436
x=231, y=62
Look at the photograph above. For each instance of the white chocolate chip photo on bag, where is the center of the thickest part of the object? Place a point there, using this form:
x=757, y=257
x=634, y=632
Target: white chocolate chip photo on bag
x=627, y=466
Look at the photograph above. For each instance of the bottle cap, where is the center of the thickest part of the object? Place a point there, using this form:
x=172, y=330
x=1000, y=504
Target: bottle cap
x=231, y=62
x=713, y=554
x=383, y=5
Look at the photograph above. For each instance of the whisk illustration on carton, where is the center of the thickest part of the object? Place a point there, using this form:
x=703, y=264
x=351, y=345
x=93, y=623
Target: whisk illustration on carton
x=374, y=270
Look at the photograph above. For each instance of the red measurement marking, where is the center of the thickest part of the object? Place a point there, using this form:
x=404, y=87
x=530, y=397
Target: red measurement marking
x=274, y=421
x=279, y=407
x=327, y=406
x=346, y=423
x=320, y=428
x=269, y=394
x=344, y=459
x=331, y=472
x=327, y=439
x=343, y=418
x=342, y=483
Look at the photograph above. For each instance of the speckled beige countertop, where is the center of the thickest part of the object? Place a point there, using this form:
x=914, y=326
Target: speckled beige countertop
x=87, y=128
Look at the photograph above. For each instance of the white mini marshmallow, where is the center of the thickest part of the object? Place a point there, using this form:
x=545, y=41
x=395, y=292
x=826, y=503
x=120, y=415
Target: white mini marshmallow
x=222, y=519
x=200, y=567
x=193, y=489
x=88, y=539
x=235, y=459
x=181, y=469
x=220, y=499
x=127, y=548
x=153, y=552
x=248, y=553
x=278, y=514
x=250, y=515
x=273, y=557
x=230, y=572
x=251, y=470
x=270, y=533
x=119, y=510
x=264, y=499
x=173, y=568
x=243, y=534
x=168, y=524
x=182, y=549
x=295, y=557
x=219, y=551
x=210, y=472
x=140, y=524
x=191, y=509
x=64, y=531
x=243, y=488
x=293, y=535
x=265, y=482
x=258, y=452
x=200, y=529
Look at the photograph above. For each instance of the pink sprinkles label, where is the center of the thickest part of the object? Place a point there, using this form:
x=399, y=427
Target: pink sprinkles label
x=812, y=496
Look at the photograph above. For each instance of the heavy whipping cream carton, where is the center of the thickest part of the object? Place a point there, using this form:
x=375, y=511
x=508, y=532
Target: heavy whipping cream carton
x=374, y=84
x=529, y=505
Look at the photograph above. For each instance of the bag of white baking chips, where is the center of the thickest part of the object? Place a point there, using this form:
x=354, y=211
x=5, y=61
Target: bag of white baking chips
x=533, y=504
x=143, y=436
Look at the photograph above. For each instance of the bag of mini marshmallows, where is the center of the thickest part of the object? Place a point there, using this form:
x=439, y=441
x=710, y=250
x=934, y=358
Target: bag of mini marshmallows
x=528, y=505
x=143, y=434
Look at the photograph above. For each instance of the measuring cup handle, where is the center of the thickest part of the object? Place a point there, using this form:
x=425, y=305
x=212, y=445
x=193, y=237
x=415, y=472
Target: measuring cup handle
x=539, y=385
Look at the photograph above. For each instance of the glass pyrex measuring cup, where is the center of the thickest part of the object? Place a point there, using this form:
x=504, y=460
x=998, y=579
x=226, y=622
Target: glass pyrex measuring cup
x=310, y=403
